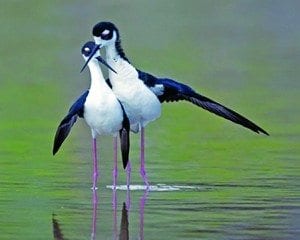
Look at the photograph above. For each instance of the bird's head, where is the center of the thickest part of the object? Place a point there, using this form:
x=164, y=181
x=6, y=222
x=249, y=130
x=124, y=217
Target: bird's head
x=87, y=49
x=105, y=34
x=91, y=53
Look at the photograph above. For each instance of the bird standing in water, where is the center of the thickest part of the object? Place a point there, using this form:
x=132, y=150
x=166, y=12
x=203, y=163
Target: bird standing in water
x=141, y=93
x=101, y=110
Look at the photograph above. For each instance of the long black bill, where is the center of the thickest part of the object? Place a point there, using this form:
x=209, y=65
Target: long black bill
x=100, y=59
x=96, y=48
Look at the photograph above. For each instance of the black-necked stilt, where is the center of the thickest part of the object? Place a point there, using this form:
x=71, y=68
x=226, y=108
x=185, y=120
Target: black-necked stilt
x=130, y=86
x=102, y=111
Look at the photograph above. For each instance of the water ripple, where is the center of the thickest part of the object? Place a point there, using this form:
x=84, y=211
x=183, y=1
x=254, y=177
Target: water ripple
x=160, y=188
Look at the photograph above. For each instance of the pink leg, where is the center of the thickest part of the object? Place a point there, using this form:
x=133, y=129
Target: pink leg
x=128, y=174
x=142, y=157
x=95, y=164
x=115, y=169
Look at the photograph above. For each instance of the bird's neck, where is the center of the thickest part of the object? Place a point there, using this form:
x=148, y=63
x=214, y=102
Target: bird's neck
x=112, y=54
x=116, y=58
x=97, y=79
x=115, y=53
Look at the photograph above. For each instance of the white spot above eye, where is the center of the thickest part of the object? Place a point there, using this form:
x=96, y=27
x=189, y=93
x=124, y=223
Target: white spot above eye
x=105, y=32
x=86, y=49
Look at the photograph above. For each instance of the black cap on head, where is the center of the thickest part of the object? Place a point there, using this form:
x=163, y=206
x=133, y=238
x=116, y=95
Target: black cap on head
x=87, y=48
x=105, y=30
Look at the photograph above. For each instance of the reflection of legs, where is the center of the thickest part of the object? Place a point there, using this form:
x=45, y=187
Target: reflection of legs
x=114, y=205
x=95, y=164
x=142, y=157
x=128, y=200
x=124, y=233
x=128, y=173
x=115, y=169
x=142, y=210
x=94, y=220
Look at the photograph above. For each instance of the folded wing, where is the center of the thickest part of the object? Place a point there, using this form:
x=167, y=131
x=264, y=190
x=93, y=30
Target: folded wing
x=124, y=138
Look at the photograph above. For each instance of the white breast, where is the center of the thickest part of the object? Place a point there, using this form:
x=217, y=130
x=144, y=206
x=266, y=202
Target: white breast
x=140, y=103
x=103, y=113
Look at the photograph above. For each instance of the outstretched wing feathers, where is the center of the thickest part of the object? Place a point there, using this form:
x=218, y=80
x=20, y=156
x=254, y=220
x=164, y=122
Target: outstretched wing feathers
x=223, y=111
x=175, y=91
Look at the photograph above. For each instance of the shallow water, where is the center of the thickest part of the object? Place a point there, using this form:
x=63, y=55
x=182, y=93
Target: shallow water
x=210, y=179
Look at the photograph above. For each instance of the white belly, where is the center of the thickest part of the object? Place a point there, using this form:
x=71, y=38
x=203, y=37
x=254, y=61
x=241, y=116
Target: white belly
x=103, y=114
x=140, y=103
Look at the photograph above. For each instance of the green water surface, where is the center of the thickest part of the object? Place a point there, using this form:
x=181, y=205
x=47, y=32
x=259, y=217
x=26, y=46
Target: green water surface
x=244, y=54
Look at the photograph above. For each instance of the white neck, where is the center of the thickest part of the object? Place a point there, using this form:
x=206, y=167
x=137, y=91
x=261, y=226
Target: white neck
x=97, y=79
x=125, y=71
x=111, y=54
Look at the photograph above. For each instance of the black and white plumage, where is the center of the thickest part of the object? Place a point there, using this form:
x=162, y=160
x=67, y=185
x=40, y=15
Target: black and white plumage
x=64, y=128
x=166, y=90
x=77, y=110
x=100, y=108
x=107, y=35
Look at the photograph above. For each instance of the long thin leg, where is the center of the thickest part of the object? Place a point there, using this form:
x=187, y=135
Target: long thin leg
x=128, y=174
x=95, y=164
x=142, y=157
x=115, y=169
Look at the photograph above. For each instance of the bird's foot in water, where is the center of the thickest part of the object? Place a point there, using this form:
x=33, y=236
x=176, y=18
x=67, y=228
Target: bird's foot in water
x=115, y=177
x=145, y=178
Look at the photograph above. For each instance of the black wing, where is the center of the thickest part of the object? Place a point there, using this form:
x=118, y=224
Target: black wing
x=66, y=124
x=169, y=90
x=124, y=138
x=124, y=133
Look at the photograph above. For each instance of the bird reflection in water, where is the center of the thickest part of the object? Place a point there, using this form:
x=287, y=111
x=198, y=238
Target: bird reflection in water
x=121, y=233
x=57, y=233
x=94, y=219
x=124, y=232
x=142, y=209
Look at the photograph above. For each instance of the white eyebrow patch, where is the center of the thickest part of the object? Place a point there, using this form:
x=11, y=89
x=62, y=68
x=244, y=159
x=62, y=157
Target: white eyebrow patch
x=86, y=49
x=105, y=32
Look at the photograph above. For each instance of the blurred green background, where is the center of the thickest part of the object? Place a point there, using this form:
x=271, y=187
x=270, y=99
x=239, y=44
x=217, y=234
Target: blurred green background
x=244, y=54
